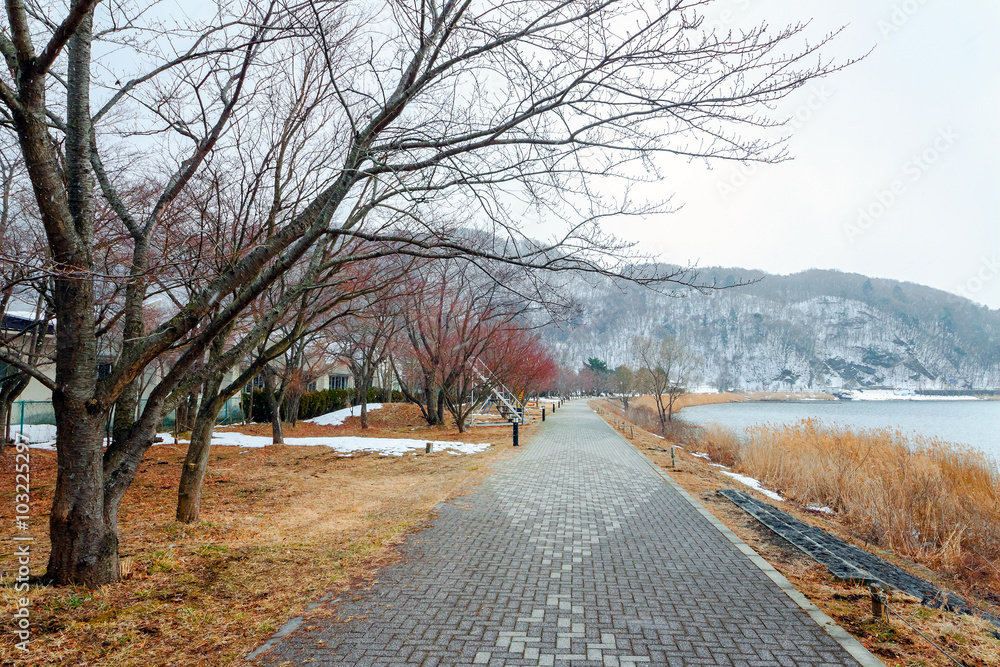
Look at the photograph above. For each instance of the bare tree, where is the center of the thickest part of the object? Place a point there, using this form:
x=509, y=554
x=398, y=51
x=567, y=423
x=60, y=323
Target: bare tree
x=436, y=105
x=625, y=382
x=452, y=314
x=667, y=367
x=366, y=342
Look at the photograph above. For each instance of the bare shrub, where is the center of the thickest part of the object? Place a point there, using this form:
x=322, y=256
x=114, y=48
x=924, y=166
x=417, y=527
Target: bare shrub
x=720, y=443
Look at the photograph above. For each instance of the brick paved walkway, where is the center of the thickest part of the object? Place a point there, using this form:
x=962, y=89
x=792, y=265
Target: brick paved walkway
x=577, y=553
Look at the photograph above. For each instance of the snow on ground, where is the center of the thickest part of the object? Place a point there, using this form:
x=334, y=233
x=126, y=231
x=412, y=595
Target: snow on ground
x=742, y=479
x=820, y=508
x=39, y=436
x=43, y=437
x=337, y=418
x=886, y=395
x=752, y=483
x=346, y=445
x=350, y=444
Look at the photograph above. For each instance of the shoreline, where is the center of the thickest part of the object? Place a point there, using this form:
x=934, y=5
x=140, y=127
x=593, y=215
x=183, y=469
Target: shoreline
x=695, y=400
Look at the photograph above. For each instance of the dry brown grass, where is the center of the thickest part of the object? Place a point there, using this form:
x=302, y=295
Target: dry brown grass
x=929, y=500
x=720, y=443
x=968, y=638
x=396, y=420
x=688, y=400
x=692, y=400
x=281, y=526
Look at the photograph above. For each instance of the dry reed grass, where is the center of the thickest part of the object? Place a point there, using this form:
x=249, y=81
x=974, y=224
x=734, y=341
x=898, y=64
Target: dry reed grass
x=720, y=443
x=934, y=502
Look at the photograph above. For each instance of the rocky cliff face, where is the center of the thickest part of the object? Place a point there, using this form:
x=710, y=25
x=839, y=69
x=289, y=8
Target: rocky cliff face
x=812, y=330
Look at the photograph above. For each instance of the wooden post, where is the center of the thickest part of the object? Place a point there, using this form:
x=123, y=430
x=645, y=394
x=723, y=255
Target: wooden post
x=429, y=448
x=673, y=457
x=878, y=603
x=632, y=430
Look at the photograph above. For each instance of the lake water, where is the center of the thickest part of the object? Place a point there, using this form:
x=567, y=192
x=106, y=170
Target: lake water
x=975, y=423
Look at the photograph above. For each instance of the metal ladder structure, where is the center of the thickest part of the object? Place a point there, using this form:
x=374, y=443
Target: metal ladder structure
x=507, y=404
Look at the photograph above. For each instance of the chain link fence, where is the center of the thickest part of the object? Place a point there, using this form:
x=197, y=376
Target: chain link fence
x=34, y=421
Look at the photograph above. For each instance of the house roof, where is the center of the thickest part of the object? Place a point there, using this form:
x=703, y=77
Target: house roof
x=21, y=322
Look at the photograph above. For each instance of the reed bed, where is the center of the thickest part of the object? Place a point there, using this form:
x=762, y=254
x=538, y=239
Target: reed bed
x=932, y=501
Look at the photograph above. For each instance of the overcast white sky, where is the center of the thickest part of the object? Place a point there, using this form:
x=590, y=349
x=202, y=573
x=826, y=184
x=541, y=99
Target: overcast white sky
x=919, y=114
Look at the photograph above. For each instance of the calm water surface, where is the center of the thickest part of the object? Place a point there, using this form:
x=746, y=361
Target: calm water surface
x=975, y=423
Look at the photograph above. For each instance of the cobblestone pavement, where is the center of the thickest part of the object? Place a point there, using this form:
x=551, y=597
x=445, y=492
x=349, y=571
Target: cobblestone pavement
x=576, y=553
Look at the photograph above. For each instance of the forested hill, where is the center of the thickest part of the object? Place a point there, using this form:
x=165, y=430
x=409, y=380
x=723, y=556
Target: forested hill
x=816, y=329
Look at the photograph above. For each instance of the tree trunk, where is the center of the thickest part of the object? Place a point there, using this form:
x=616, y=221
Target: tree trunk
x=83, y=529
x=293, y=407
x=5, y=420
x=660, y=413
x=366, y=383
x=83, y=523
x=670, y=407
x=277, y=435
x=196, y=461
x=125, y=411
x=440, y=407
x=10, y=389
x=430, y=411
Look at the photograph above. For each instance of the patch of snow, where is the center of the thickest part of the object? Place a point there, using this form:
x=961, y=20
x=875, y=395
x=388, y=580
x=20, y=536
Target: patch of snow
x=752, y=483
x=39, y=436
x=886, y=395
x=702, y=455
x=337, y=418
x=820, y=508
x=349, y=444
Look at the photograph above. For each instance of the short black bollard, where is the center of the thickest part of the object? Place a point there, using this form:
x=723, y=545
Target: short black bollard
x=515, y=434
x=673, y=457
x=543, y=414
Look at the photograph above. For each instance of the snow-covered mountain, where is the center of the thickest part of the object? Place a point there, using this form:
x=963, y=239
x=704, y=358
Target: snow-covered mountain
x=811, y=330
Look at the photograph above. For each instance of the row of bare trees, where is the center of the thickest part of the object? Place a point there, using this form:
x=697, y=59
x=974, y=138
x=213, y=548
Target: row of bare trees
x=663, y=368
x=191, y=184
